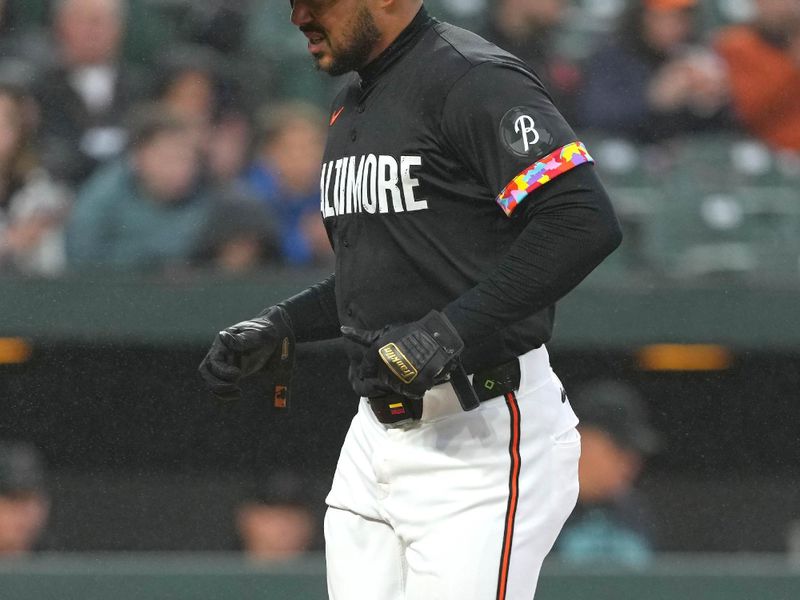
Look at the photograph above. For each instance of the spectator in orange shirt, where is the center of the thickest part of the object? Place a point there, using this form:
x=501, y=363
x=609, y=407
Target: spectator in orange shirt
x=763, y=60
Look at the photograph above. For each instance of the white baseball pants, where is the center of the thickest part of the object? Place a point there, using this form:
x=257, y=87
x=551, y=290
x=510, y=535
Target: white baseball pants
x=456, y=506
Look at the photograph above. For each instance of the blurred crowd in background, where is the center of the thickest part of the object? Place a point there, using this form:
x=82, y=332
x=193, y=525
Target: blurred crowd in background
x=275, y=518
x=167, y=134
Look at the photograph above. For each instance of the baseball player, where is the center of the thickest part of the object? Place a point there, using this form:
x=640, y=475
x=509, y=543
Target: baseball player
x=460, y=207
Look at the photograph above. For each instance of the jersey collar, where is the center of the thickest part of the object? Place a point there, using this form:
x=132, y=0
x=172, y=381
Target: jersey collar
x=397, y=49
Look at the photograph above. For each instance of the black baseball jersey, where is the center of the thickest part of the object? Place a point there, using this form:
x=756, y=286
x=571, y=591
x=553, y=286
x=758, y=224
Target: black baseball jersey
x=434, y=149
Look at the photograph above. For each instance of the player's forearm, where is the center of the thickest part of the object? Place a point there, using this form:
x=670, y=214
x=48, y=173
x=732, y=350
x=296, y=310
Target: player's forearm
x=313, y=312
x=569, y=233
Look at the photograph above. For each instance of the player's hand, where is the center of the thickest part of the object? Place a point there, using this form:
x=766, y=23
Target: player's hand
x=406, y=359
x=242, y=350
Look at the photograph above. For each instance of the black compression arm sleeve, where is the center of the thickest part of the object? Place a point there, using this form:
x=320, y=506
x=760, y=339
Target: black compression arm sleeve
x=313, y=312
x=571, y=227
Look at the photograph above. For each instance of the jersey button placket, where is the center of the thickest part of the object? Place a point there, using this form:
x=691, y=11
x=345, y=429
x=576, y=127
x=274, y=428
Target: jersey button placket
x=353, y=135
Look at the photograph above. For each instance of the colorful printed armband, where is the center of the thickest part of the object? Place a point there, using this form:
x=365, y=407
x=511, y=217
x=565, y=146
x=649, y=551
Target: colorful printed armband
x=556, y=163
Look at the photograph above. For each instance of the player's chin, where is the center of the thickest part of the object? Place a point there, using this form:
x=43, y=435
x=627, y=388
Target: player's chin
x=322, y=61
x=326, y=63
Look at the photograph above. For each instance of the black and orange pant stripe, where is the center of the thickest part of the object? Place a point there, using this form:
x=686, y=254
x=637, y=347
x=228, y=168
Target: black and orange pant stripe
x=513, y=494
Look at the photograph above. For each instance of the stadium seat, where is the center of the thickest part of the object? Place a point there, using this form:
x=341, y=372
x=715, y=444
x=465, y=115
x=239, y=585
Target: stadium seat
x=731, y=209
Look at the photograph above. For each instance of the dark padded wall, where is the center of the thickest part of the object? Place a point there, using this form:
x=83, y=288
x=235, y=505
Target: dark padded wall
x=143, y=458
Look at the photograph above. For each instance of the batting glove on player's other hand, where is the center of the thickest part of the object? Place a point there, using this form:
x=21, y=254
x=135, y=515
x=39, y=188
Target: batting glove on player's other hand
x=245, y=349
x=406, y=359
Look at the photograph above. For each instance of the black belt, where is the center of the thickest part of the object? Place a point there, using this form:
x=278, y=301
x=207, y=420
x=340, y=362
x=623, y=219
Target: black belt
x=497, y=381
x=488, y=383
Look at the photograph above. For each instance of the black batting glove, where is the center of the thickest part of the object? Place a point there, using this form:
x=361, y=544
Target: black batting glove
x=244, y=349
x=405, y=359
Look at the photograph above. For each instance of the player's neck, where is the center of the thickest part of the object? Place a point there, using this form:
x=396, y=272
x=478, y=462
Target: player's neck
x=392, y=22
x=393, y=42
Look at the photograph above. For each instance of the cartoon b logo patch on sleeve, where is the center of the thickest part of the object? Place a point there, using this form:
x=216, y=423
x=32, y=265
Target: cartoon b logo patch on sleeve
x=522, y=135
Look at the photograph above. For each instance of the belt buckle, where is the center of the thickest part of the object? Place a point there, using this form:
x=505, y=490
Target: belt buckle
x=497, y=381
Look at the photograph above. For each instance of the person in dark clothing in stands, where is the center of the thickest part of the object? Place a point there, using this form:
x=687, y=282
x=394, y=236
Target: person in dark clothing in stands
x=86, y=96
x=653, y=81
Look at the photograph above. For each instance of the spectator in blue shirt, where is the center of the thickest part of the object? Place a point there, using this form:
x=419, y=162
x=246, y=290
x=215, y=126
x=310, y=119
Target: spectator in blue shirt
x=284, y=176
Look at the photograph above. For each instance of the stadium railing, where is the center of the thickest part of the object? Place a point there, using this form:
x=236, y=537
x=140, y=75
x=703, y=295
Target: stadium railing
x=225, y=577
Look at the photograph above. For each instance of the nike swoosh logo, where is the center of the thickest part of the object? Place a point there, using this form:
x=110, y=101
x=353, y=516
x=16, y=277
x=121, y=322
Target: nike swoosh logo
x=335, y=116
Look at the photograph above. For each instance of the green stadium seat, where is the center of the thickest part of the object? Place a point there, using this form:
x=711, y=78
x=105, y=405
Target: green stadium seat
x=633, y=180
x=730, y=209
